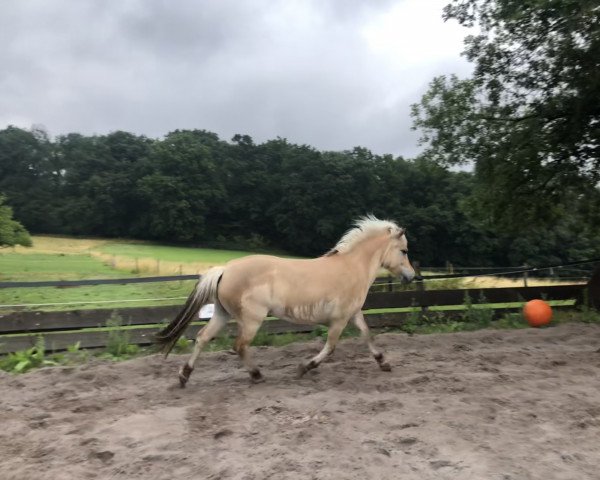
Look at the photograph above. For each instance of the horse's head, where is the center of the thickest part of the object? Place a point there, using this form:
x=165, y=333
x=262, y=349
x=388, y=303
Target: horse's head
x=395, y=258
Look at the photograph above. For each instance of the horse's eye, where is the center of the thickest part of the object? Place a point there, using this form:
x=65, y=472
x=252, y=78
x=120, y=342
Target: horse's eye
x=405, y=252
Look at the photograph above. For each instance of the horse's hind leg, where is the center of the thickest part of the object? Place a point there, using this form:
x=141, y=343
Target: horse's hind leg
x=248, y=325
x=205, y=335
x=359, y=321
x=333, y=335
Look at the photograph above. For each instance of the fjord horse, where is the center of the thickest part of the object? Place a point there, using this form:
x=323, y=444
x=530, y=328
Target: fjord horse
x=327, y=290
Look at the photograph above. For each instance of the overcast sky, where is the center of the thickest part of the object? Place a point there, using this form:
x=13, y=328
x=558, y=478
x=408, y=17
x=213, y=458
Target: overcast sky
x=333, y=74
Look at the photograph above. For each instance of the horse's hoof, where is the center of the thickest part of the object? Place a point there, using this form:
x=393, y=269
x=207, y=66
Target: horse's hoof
x=385, y=367
x=184, y=375
x=256, y=376
x=301, y=370
x=305, y=367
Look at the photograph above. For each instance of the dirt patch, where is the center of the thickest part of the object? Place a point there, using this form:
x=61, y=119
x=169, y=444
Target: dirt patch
x=521, y=404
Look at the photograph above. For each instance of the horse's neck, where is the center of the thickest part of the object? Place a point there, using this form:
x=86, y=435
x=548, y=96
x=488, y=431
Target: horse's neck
x=367, y=257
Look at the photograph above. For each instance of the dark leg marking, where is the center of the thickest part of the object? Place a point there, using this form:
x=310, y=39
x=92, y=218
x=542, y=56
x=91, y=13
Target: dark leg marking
x=305, y=367
x=184, y=374
x=384, y=366
x=256, y=376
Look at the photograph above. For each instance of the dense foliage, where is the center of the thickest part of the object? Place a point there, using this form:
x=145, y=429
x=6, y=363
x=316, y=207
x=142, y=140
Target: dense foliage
x=528, y=119
x=11, y=232
x=191, y=187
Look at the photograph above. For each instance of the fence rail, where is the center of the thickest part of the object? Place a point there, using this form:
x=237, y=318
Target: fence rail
x=448, y=274
x=19, y=330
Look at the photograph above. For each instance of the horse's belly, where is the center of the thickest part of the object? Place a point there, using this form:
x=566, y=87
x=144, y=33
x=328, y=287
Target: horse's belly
x=321, y=312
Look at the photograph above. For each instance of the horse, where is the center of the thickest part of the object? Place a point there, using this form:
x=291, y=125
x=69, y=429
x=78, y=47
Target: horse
x=327, y=290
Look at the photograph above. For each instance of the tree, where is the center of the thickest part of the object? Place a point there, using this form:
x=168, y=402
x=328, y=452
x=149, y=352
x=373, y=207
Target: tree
x=181, y=188
x=427, y=199
x=528, y=119
x=246, y=171
x=11, y=232
x=28, y=176
x=98, y=181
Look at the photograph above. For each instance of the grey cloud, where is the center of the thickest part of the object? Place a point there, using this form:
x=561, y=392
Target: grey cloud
x=300, y=70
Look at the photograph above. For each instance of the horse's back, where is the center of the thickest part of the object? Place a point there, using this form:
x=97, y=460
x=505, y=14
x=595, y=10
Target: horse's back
x=256, y=269
x=274, y=281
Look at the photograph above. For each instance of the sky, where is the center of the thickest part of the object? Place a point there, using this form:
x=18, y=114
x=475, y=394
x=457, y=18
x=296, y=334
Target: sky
x=333, y=74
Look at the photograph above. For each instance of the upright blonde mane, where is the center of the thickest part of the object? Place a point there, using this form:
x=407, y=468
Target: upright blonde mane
x=364, y=228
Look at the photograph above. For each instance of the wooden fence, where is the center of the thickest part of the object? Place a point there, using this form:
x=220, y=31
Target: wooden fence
x=19, y=330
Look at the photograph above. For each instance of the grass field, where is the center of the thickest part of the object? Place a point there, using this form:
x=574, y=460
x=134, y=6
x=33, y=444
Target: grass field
x=119, y=256
x=170, y=254
x=59, y=258
x=48, y=266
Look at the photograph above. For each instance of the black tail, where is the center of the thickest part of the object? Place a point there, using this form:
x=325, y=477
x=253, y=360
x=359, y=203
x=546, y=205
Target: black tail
x=204, y=292
x=168, y=336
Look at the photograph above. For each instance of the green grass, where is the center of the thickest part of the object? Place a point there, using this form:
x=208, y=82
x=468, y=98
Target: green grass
x=39, y=267
x=171, y=254
x=42, y=266
x=75, y=266
x=21, y=362
x=95, y=297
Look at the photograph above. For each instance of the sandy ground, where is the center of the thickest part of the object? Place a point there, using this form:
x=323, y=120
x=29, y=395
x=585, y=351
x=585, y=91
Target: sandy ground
x=506, y=405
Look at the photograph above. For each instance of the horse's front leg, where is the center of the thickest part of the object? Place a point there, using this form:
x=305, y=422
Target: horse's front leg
x=333, y=335
x=359, y=321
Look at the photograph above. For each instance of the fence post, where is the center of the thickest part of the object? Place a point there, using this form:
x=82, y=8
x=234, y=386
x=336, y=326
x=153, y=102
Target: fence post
x=591, y=294
x=420, y=284
x=157, y=265
x=417, y=268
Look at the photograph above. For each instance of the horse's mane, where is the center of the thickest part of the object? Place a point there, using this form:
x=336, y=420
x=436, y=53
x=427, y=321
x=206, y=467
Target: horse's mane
x=364, y=227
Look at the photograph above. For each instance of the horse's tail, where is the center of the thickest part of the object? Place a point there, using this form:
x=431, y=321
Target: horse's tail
x=204, y=292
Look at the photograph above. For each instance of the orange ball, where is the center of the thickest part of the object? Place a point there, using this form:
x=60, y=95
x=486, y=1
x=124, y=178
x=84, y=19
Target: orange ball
x=537, y=313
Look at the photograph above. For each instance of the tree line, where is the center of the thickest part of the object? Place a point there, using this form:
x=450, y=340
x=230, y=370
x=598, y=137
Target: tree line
x=528, y=118
x=190, y=187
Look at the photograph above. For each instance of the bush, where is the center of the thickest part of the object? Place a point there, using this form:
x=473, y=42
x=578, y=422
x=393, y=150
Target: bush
x=118, y=344
x=481, y=315
x=24, y=360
